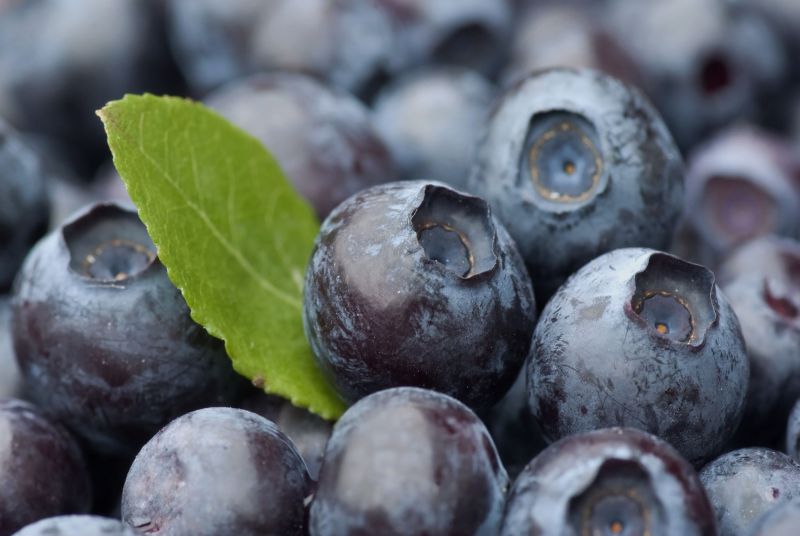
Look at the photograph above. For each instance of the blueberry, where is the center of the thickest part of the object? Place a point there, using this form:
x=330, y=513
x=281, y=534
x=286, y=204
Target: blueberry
x=77, y=526
x=643, y=339
x=616, y=481
x=105, y=341
x=216, y=42
x=762, y=282
x=431, y=120
x=413, y=283
x=325, y=141
x=60, y=60
x=704, y=63
x=217, y=471
x=576, y=164
x=308, y=433
x=407, y=461
x=41, y=468
x=739, y=187
x=780, y=521
x=566, y=34
x=793, y=432
x=745, y=484
x=24, y=203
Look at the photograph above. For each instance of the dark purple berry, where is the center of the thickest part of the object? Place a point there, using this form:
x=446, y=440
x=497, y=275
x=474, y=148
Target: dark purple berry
x=641, y=339
x=104, y=340
x=217, y=471
x=408, y=461
x=745, y=484
x=413, y=283
x=576, y=164
x=609, y=482
x=41, y=468
x=324, y=141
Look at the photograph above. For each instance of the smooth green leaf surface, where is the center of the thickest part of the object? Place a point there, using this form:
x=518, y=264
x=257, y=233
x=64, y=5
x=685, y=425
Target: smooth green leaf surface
x=234, y=235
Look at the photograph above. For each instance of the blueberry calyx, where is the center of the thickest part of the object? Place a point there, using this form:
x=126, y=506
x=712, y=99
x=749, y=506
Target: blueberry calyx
x=455, y=231
x=108, y=244
x=620, y=500
x=562, y=157
x=675, y=299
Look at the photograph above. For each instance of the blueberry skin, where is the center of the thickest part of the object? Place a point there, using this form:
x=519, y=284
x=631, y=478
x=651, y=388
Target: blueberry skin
x=431, y=121
x=114, y=358
x=780, y=521
x=41, y=467
x=24, y=203
x=324, y=140
x=408, y=461
x=217, y=471
x=745, y=484
x=76, y=526
x=546, y=497
x=597, y=362
x=637, y=188
x=379, y=311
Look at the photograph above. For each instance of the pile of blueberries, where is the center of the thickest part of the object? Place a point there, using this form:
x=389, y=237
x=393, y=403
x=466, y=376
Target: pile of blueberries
x=557, y=278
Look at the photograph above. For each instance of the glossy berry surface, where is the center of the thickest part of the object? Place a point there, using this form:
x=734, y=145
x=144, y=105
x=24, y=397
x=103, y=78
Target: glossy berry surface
x=431, y=121
x=23, y=202
x=617, y=481
x=643, y=339
x=103, y=339
x=409, y=461
x=576, y=164
x=77, y=525
x=413, y=283
x=217, y=471
x=325, y=141
x=41, y=468
x=745, y=484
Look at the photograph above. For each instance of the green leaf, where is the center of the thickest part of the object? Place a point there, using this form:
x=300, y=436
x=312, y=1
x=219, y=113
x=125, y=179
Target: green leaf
x=234, y=235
